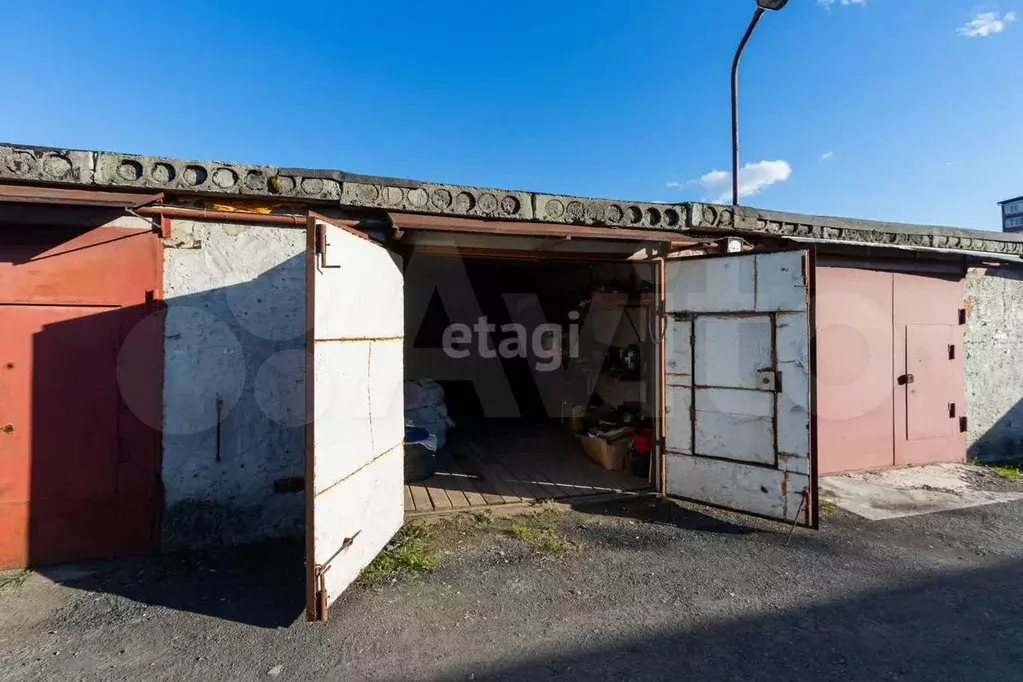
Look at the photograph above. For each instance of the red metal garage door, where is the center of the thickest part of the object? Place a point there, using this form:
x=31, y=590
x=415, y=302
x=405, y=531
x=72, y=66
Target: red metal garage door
x=80, y=470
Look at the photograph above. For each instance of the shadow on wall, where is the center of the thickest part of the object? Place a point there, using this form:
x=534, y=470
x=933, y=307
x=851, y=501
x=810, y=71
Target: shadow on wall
x=1003, y=441
x=234, y=391
x=994, y=364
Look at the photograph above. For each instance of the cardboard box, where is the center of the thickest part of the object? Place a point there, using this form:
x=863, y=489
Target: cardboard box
x=608, y=454
x=578, y=418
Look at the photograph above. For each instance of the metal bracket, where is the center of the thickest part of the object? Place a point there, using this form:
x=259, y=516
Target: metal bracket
x=321, y=243
x=165, y=226
x=153, y=302
x=768, y=380
x=905, y=379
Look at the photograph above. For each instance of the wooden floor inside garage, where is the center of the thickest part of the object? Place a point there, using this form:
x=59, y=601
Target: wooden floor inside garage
x=513, y=464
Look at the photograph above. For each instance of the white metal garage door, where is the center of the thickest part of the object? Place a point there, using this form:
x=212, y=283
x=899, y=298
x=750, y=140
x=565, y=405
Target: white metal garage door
x=354, y=400
x=737, y=426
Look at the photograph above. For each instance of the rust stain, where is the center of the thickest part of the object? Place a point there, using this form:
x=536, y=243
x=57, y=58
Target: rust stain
x=357, y=339
x=369, y=394
x=340, y=481
x=785, y=494
x=756, y=283
x=968, y=304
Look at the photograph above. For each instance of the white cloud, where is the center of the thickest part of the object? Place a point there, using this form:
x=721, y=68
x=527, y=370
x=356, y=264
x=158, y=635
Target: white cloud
x=986, y=23
x=827, y=155
x=826, y=4
x=753, y=179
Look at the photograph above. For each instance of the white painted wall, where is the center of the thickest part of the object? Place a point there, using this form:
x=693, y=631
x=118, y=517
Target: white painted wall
x=235, y=332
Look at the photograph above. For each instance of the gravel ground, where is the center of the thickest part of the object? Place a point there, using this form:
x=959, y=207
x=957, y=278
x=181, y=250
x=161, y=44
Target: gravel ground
x=651, y=590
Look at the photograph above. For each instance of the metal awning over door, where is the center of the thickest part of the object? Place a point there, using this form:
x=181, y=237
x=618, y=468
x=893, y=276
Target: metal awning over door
x=737, y=418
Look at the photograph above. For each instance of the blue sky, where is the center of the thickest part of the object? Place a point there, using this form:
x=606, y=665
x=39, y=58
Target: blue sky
x=897, y=110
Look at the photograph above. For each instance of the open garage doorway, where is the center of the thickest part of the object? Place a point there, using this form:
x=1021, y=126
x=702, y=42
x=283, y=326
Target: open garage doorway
x=527, y=379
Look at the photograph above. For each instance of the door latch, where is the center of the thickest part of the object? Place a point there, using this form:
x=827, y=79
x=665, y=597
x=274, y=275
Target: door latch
x=905, y=379
x=768, y=380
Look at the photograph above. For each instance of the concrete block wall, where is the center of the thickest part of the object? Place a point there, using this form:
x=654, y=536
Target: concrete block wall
x=234, y=347
x=994, y=363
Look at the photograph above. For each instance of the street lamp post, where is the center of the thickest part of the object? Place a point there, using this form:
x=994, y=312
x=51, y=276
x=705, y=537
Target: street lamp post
x=762, y=6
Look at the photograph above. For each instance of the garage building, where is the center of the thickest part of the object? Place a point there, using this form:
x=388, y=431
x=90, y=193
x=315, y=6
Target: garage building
x=197, y=354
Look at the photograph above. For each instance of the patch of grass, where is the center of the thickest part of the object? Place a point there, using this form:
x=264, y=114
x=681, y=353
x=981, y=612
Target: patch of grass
x=1010, y=471
x=13, y=579
x=409, y=554
x=549, y=542
x=827, y=507
x=544, y=540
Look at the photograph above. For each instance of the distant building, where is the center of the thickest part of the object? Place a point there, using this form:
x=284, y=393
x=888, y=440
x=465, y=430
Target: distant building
x=1012, y=214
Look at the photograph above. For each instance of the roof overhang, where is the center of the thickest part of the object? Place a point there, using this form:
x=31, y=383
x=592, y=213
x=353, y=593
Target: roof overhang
x=114, y=173
x=433, y=223
x=973, y=255
x=24, y=194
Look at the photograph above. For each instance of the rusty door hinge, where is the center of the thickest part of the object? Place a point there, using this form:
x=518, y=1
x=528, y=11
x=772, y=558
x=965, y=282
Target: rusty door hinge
x=951, y=410
x=153, y=302
x=962, y=424
x=164, y=227
x=321, y=594
x=951, y=351
x=321, y=243
x=962, y=316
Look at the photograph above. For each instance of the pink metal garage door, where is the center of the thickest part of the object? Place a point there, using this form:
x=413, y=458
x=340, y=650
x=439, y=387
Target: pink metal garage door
x=929, y=347
x=890, y=387
x=855, y=401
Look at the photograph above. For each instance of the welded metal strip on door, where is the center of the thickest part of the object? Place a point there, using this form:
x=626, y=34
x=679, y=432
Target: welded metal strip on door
x=354, y=465
x=737, y=369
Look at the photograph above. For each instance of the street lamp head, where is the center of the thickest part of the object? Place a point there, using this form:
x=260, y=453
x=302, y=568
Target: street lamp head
x=771, y=4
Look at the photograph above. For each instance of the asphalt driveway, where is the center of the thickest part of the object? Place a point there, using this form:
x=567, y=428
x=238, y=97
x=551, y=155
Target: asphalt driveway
x=644, y=591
